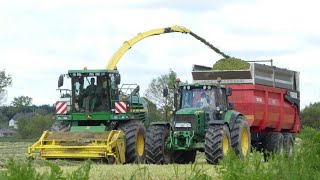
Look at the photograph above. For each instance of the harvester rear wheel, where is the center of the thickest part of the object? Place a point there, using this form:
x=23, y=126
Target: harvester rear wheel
x=241, y=137
x=156, y=152
x=184, y=157
x=273, y=142
x=135, y=135
x=288, y=143
x=217, y=143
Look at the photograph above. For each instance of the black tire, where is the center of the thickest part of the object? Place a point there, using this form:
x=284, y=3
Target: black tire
x=184, y=157
x=241, y=137
x=273, y=143
x=135, y=140
x=156, y=152
x=288, y=143
x=215, y=138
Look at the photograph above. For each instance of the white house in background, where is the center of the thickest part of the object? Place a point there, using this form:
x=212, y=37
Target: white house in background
x=14, y=120
x=12, y=123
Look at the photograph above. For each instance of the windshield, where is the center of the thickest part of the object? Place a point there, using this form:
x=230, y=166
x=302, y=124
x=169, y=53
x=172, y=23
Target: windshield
x=201, y=98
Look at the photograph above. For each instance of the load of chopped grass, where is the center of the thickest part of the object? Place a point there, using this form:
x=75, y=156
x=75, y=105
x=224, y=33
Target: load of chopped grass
x=231, y=64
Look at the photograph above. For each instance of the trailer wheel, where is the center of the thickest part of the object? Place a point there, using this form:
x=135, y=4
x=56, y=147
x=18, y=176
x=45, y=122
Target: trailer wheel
x=288, y=143
x=241, y=137
x=184, y=157
x=135, y=135
x=156, y=152
x=273, y=142
x=217, y=143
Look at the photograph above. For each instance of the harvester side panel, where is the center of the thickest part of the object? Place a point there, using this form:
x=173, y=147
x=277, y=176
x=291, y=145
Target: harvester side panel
x=266, y=108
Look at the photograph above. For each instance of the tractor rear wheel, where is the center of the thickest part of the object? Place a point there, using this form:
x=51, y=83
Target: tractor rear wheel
x=273, y=143
x=217, y=143
x=184, y=157
x=135, y=136
x=241, y=137
x=156, y=152
x=288, y=143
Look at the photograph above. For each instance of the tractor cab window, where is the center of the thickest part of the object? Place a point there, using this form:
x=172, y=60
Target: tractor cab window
x=201, y=98
x=222, y=101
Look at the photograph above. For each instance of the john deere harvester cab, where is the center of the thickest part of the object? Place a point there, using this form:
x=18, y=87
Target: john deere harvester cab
x=96, y=118
x=203, y=120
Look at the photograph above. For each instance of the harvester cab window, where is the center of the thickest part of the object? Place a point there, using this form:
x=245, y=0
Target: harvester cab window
x=90, y=93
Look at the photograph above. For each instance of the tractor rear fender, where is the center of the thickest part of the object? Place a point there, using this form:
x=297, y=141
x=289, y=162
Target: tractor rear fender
x=231, y=116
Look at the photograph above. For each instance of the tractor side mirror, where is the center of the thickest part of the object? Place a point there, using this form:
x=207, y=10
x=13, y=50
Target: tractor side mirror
x=165, y=92
x=228, y=92
x=60, y=81
x=117, y=79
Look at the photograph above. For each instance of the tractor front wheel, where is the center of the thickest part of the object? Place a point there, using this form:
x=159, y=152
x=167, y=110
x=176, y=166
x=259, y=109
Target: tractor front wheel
x=135, y=136
x=217, y=143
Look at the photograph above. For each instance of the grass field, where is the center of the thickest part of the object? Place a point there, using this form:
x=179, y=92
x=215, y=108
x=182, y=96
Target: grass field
x=18, y=150
x=303, y=164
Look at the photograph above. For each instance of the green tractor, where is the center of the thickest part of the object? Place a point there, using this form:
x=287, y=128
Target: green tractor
x=203, y=120
x=96, y=119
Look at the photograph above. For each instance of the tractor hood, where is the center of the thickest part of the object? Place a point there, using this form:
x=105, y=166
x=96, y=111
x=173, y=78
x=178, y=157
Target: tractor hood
x=189, y=111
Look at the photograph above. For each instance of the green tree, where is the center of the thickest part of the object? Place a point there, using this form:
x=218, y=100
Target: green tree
x=154, y=93
x=5, y=81
x=153, y=112
x=33, y=127
x=310, y=116
x=21, y=101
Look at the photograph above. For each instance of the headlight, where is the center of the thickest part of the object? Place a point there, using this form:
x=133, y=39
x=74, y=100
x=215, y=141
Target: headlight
x=188, y=87
x=204, y=87
x=182, y=125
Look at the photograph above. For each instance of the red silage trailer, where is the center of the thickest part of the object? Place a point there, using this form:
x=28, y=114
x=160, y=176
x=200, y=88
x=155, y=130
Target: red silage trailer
x=266, y=108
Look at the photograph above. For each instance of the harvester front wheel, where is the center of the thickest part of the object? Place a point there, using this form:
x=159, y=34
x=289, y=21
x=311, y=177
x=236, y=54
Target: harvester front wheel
x=135, y=136
x=156, y=152
x=184, y=157
x=217, y=143
x=288, y=143
x=241, y=137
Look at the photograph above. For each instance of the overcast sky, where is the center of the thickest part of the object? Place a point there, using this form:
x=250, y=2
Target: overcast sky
x=39, y=40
